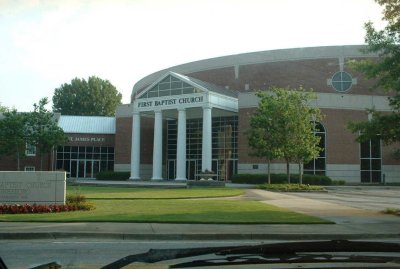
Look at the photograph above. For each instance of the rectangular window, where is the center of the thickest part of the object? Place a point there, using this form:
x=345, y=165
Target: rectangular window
x=30, y=150
x=29, y=168
x=224, y=146
x=371, y=161
x=84, y=161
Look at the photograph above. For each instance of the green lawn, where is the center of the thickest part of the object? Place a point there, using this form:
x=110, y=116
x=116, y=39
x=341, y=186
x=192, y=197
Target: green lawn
x=115, y=204
x=175, y=211
x=146, y=193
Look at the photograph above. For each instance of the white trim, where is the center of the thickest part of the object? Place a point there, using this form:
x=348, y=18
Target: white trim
x=391, y=173
x=29, y=168
x=175, y=75
x=347, y=172
x=30, y=150
x=330, y=101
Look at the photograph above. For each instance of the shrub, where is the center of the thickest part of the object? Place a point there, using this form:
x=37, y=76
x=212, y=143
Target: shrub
x=25, y=209
x=290, y=187
x=338, y=182
x=79, y=201
x=392, y=211
x=281, y=179
x=110, y=175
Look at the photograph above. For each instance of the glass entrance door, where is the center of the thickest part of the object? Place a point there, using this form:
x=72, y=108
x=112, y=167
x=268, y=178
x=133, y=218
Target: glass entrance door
x=191, y=169
x=171, y=170
x=74, y=166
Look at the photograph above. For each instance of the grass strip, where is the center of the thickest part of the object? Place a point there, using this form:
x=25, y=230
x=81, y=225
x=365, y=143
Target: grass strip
x=176, y=211
x=92, y=192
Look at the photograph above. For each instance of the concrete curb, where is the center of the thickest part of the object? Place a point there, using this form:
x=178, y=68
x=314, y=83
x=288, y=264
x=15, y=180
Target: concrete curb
x=151, y=237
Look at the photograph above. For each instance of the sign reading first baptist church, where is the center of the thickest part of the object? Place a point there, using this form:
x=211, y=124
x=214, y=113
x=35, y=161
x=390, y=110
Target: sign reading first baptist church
x=39, y=187
x=163, y=103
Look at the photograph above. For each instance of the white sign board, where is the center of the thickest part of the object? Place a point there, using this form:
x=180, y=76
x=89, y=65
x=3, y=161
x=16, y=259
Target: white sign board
x=40, y=188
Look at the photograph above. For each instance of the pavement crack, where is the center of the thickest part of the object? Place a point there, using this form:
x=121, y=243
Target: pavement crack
x=152, y=228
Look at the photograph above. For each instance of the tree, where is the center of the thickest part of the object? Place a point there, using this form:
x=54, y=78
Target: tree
x=386, y=71
x=13, y=135
x=263, y=135
x=95, y=97
x=3, y=109
x=283, y=125
x=43, y=131
x=306, y=143
x=300, y=145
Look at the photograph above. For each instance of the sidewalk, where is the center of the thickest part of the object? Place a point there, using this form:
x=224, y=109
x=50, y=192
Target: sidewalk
x=351, y=223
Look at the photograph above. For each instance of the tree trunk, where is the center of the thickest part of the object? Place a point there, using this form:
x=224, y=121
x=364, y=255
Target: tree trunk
x=41, y=162
x=269, y=171
x=18, y=162
x=300, y=174
x=288, y=171
x=18, y=159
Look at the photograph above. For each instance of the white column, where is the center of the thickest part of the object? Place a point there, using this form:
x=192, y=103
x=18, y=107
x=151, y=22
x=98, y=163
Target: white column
x=135, y=148
x=206, y=161
x=157, y=146
x=181, y=146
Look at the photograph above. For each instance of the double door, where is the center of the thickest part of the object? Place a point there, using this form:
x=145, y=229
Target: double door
x=84, y=168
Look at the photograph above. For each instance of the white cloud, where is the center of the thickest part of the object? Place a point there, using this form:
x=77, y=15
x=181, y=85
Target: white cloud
x=47, y=43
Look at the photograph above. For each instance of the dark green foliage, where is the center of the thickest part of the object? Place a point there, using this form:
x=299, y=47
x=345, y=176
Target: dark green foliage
x=281, y=179
x=338, y=182
x=385, y=70
x=109, y=175
x=13, y=135
x=43, y=131
x=95, y=97
x=38, y=128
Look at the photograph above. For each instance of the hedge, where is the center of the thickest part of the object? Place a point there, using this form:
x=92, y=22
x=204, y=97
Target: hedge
x=281, y=179
x=113, y=175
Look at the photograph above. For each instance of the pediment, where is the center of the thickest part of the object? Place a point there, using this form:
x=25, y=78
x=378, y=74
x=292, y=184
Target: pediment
x=171, y=84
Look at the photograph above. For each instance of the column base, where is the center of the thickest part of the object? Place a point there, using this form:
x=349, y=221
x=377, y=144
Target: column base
x=134, y=178
x=180, y=179
x=157, y=178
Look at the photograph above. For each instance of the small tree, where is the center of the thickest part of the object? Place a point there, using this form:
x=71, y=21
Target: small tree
x=43, y=131
x=263, y=135
x=282, y=127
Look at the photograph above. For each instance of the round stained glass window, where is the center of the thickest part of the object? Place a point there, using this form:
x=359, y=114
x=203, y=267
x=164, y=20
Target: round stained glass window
x=342, y=81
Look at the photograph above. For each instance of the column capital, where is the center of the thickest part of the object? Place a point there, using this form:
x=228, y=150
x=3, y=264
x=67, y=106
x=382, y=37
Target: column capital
x=136, y=113
x=207, y=106
x=181, y=109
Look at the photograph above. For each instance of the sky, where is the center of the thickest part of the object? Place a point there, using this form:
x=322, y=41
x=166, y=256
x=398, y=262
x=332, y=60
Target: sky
x=46, y=43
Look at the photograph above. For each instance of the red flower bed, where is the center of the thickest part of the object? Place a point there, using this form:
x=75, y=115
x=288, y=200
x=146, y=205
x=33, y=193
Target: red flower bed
x=25, y=209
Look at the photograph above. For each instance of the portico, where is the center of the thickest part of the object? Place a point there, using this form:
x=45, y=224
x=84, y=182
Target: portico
x=178, y=97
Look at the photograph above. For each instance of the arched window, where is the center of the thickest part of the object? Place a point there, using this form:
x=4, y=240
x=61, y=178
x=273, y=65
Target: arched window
x=317, y=166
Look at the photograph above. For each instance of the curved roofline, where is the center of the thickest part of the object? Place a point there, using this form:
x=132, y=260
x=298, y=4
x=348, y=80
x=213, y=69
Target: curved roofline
x=279, y=55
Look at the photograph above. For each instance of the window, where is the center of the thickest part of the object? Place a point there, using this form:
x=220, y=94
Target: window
x=84, y=161
x=29, y=168
x=317, y=165
x=371, y=161
x=30, y=150
x=168, y=87
x=224, y=146
x=342, y=81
